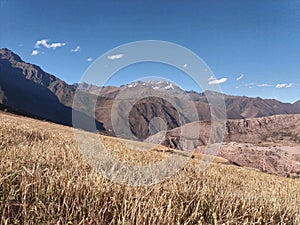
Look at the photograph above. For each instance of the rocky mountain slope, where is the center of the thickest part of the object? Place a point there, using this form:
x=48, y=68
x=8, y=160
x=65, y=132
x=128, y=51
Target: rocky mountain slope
x=251, y=130
x=271, y=144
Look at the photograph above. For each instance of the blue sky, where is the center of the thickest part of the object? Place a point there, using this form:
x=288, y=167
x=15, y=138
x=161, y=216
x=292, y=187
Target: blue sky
x=256, y=41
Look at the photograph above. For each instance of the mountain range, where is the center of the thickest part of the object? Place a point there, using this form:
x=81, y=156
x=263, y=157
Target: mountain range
x=28, y=90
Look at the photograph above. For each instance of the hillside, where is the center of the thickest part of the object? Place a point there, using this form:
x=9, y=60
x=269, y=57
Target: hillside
x=45, y=180
x=271, y=144
x=26, y=88
x=252, y=130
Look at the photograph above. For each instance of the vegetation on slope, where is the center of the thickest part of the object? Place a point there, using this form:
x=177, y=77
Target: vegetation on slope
x=45, y=180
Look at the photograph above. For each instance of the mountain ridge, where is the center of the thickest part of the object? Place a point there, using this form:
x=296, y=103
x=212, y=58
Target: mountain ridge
x=39, y=87
x=27, y=89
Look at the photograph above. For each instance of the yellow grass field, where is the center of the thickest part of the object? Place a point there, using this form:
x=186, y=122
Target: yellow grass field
x=44, y=179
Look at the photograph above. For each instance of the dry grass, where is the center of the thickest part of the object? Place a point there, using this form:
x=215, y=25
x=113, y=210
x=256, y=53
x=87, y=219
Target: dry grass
x=44, y=180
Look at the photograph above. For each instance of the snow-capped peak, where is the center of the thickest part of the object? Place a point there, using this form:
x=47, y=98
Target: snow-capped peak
x=154, y=84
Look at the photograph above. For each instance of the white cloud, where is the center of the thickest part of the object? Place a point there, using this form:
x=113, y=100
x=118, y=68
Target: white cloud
x=264, y=85
x=212, y=80
x=56, y=45
x=90, y=59
x=45, y=43
x=185, y=65
x=284, y=85
x=114, y=57
x=35, y=52
x=77, y=49
x=240, y=77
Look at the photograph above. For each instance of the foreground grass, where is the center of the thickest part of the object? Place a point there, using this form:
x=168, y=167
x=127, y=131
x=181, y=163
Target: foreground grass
x=45, y=180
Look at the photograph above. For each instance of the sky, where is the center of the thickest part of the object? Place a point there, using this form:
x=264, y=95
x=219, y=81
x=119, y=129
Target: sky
x=252, y=47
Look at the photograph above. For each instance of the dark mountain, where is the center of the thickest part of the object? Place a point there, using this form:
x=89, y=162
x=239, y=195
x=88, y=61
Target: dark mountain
x=297, y=106
x=27, y=89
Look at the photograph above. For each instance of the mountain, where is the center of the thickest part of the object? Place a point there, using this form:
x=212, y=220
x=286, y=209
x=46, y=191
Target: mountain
x=237, y=107
x=297, y=105
x=27, y=89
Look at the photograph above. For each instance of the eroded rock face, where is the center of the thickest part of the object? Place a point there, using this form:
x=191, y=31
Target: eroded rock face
x=274, y=159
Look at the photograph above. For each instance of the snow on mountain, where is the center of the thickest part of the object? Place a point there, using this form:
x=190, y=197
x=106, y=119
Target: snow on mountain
x=155, y=84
